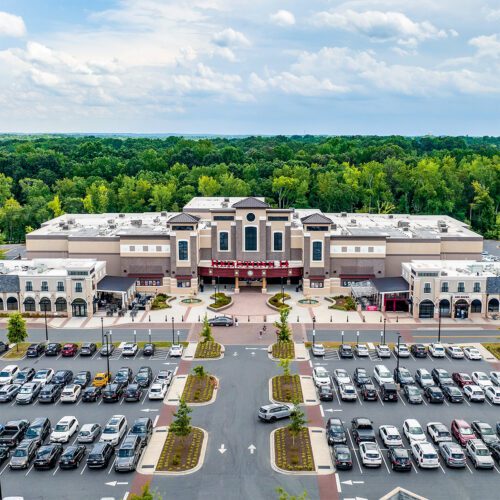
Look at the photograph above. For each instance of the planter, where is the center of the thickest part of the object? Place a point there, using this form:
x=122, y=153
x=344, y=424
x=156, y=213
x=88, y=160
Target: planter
x=283, y=350
x=199, y=389
x=222, y=306
x=275, y=302
x=287, y=389
x=181, y=454
x=293, y=453
x=208, y=350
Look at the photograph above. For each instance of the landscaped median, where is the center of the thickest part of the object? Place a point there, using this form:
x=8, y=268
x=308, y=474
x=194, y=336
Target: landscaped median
x=292, y=388
x=197, y=389
x=209, y=350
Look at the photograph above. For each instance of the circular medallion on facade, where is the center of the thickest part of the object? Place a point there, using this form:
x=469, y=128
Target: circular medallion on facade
x=250, y=217
x=250, y=273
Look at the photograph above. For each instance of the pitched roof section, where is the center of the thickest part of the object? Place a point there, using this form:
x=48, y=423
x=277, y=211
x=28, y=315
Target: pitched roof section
x=9, y=283
x=251, y=202
x=184, y=218
x=316, y=218
x=493, y=285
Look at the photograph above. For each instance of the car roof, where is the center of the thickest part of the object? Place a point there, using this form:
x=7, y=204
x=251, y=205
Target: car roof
x=66, y=419
x=412, y=421
x=461, y=423
x=99, y=446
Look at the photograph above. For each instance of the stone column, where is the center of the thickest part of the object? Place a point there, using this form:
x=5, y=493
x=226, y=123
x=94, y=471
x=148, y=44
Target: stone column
x=264, y=285
x=236, y=284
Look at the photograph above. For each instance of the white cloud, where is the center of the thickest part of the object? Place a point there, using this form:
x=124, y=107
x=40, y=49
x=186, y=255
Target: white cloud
x=380, y=26
x=283, y=18
x=230, y=38
x=487, y=46
x=11, y=25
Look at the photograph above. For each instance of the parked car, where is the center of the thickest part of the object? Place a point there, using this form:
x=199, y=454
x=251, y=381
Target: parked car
x=361, y=351
x=413, y=431
x=418, y=351
x=494, y=450
x=370, y=454
x=106, y=350
x=335, y=431
x=129, y=454
x=157, y=391
x=71, y=393
x=340, y=376
x=318, y=350
x=345, y=351
x=403, y=376
x=39, y=430
x=362, y=430
x=399, y=458
x=8, y=392
x=164, y=377
x=53, y=349
x=402, y=351
x=325, y=393
x=129, y=349
x=24, y=375
x=383, y=351
x=64, y=430
x=413, y=394
x=481, y=379
x=8, y=374
x=272, y=412
x=436, y=351
x=112, y=393
x=82, y=379
x=492, y=394
x=461, y=379
x=133, y=393
x=321, y=376
x=348, y=392
x=424, y=454
x=462, y=431
x=47, y=456
x=72, y=456
x=485, y=432
x=441, y=377
x=89, y=433
x=35, y=350
x=143, y=428
x=148, y=349
x=69, y=350
x=123, y=376
x=474, y=393
x=342, y=457
x=100, y=455
x=361, y=376
x=28, y=393
x=495, y=377
x=43, y=376
x=23, y=455
x=454, y=352
x=91, y=394
x=479, y=455
x=438, y=432
x=50, y=393
x=176, y=350
x=88, y=349
x=453, y=394
x=101, y=379
x=3, y=347
x=389, y=392
x=144, y=376
x=4, y=454
x=382, y=375
x=434, y=394
x=423, y=378
x=472, y=353
x=452, y=454
x=115, y=429
x=369, y=392
x=12, y=433
x=390, y=435
x=62, y=377
x=221, y=321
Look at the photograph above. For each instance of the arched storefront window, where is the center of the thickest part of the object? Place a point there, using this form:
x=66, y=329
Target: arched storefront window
x=493, y=305
x=426, y=309
x=461, y=309
x=29, y=304
x=79, y=308
x=61, y=305
x=45, y=304
x=444, y=308
x=475, y=306
x=12, y=304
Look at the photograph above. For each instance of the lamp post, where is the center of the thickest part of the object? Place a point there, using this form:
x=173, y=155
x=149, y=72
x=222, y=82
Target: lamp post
x=46, y=328
x=283, y=292
x=385, y=319
x=397, y=366
x=381, y=337
x=149, y=335
x=178, y=336
x=342, y=337
x=107, y=355
x=102, y=332
x=439, y=322
x=357, y=339
x=314, y=331
x=172, y=329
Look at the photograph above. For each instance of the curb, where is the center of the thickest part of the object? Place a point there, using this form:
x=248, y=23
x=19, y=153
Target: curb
x=183, y=380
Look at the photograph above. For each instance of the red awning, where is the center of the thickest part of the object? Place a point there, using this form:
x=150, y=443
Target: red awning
x=184, y=277
x=316, y=278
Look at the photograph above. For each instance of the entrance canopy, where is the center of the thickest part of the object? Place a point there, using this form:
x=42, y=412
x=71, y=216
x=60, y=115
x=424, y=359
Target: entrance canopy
x=391, y=285
x=116, y=284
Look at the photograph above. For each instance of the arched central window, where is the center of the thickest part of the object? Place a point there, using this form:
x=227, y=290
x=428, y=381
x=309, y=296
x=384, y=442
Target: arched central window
x=250, y=239
x=183, y=250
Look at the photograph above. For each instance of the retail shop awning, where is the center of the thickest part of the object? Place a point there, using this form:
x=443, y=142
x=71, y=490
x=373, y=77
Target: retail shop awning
x=116, y=284
x=391, y=285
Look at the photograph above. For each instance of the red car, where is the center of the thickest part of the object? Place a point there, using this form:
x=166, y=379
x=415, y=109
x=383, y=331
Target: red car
x=69, y=350
x=462, y=379
x=462, y=431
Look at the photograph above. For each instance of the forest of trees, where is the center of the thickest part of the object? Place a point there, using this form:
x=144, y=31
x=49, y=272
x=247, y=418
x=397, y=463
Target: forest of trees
x=46, y=176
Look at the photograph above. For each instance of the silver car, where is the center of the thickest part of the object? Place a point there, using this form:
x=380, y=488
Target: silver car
x=479, y=454
x=23, y=454
x=88, y=433
x=318, y=350
x=273, y=412
x=452, y=454
x=128, y=455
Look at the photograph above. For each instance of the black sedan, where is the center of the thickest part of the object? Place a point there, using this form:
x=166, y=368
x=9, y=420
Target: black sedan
x=399, y=459
x=369, y=392
x=53, y=349
x=50, y=393
x=413, y=394
x=91, y=394
x=82, y=379
x=343, y=458
x=88, y=349
x=112, y=393
x=47, y=456
x=72, y=456
x=144, y=376
x=434, y=394
x=148, y=350
x=453, y=394
x=325, y=393
x=3, y=347
x=133, y=393
x=35, y=350
x=221, y=321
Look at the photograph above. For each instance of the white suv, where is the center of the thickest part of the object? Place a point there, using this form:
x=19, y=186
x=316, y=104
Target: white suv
x=64, y=430
x=425, y=455
x=383, y=351
x=321, y=376
x=413, y=431
x=8, y=374
x=390, y=436
x=477, y=451
x=114, y=430
x=43, y=376
x=129, y=349
x=382, y=375
x=437, y=351
x=71, y=393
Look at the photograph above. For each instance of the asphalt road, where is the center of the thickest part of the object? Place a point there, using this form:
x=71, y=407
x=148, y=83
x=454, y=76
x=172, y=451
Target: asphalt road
x=441, y=483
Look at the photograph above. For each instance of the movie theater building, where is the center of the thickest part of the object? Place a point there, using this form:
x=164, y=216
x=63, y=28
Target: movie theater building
x=244, y=242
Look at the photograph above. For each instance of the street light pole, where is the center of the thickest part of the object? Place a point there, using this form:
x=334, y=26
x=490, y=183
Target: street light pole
x=178, y=336
x=397, y=367
x=107, y=357
x=439, y=323
x=357, y=339
x=102, y=332
x=282, y=292
x=173, y=329
x=46, y=329
x=385, y=319
x=342, y=337
x=314, y=331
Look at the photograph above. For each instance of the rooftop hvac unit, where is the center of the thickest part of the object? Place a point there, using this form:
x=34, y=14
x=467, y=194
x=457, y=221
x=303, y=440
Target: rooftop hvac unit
x=61, y=223
x=110, y=221
x=164, y=214
x=65, y=227
x=353, y=221
x=343, y=214
x=122, y=216
x=112, y=226
x=225, y=204
x=226, y=200
x=295, y=215
x=41, y=268
x=443, y=229
x=444, y=273
x=71, y=221
x=390, y=216
x=406, y=228
x=403, y=223
x=136, y=222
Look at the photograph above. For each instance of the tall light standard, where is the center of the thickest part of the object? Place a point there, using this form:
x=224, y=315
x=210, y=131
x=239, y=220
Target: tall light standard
x=172, y=329
x=397, y=366
x=102, y=332
x=439, y=322
x=357, y=339
x=46, y=328
x=314, y=331
x=107, y=355
x=342, y=337
x=385, y=319
x=178, y=337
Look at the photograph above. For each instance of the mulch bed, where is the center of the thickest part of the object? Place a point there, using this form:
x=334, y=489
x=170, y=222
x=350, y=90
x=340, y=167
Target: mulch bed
x=287, y=389
x=208, y=349
x=181, y=453
x=290, y=455
x=199, y=389
x=284, y=350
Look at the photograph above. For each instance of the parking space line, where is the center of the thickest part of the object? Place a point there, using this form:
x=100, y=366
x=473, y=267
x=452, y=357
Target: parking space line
x=338, y=399
x=337, y=480
x=467, y=465
x=83, y=470
x=112, y=465
x=446, y=402
x=156, y=420
x=2, y=471
x=95, y=354
x=441, y=467
x=57, y=468
x=100, y=401
x=354, y=450
x=495, y=467
x=401, y=398
x=385, y=463
x=321, y=411
x=144, y=398
x=30, y=469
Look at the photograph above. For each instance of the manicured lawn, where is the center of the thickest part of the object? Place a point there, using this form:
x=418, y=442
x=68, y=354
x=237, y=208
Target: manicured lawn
x=287, y=389
x=221, y=300
x=343, y=303
x=160, y=302
x=283, y=350
x=181, y=453
x=277, y=300
x=18, y=351
x=293, y=453
x=208, y=349
x=199, y=389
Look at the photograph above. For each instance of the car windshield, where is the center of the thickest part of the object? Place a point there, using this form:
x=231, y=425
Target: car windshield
x=466, y=431
x=405, y=372
x=44, y=451
x=425, y=376
x=41, y=373
x=482, y=376
x=384, y=373
x=485, y=431
x=110, y=430
x=438, y=348
x=482, y=452
x=127, y=452
x=443, y=433
x=415, y=430
x=61, y=427
x=141, y=376
x=430, y=456
x=343, y=456
x=33, y=432
x=336, y=428
x=155, y=389
x=138, y=429
x=5, y=374
x=413, y=391
x=84, y=433
x=372, y=454
x=25, y=390
x=20, y=375
x=457, y=455
x=349, y=390
x=20, y=452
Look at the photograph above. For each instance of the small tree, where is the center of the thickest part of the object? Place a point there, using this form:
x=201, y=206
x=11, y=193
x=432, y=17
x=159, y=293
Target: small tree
x=297, y=421
x=285, y=364
x=146, y=494
x=181, y=426
x=199, y=371
x=283, y=329
x=284, y=495
x=206, y=331
x=16, y=329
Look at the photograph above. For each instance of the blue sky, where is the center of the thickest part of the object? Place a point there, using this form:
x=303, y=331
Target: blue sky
x=250, y=67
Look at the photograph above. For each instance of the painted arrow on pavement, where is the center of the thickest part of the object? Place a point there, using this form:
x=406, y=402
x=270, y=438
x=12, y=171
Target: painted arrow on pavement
x=235, y=354
x=350, y=482
x=147, y=410
x=114, y=483
x=252, y=448
x=331, y=411
x=222, y=449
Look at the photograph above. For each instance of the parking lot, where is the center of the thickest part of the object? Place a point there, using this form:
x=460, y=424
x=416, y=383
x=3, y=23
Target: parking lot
x=81, y=482
x=437, y=483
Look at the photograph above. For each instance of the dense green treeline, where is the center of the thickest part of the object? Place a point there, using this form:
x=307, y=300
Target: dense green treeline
x=45, y=176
